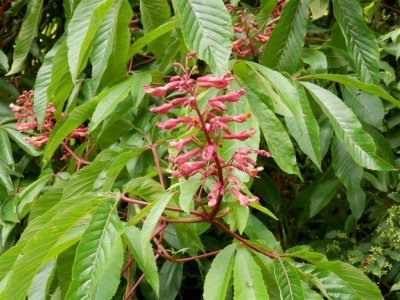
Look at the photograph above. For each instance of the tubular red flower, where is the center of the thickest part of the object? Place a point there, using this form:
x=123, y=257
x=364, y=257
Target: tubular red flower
x=180, y=159
x=244, y=199
x=172, y=123
x=179, y=145
x=212, y=196
x=241, y=136
x=217, y=82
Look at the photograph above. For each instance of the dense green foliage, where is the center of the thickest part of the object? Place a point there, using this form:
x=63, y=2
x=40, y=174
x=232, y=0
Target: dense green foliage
x=90, y=206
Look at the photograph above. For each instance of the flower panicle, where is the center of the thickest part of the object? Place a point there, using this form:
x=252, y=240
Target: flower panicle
x=197, y=157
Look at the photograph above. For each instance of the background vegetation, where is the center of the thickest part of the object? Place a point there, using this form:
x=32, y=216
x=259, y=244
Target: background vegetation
x=322, y=86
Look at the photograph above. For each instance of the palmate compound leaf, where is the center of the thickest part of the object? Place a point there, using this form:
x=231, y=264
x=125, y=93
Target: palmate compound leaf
x=248, y=279
x=348, y=128
x=62, y=226
x=300, y=119
x=206, y=27
x=218, y=277
x=278, y=140
x=99, y=254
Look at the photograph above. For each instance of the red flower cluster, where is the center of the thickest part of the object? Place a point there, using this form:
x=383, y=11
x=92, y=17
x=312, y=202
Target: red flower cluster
x=249, y=38
x=28, y=124
x=202, y=157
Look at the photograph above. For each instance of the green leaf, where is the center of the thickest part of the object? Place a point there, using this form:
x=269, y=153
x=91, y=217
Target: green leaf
x=347, y=127
x=283, y=50
x=4, y=61
x=368, y=108
x=117, y=62
x=84, y=180
x=353, y=82
x=263, y=209
x=53, y=70
x=170, y=280
x=360, y=40
x=322, y=194
x=332, y=286
x=318, y=8
x=207, y=29
x=20, y=140
x=350, y=174
x=29, y=194
x=151, y=36
x=143, y=256
x=80, y=114
x=301, y=121
x=99, y=245
x=109, y=100
x=153, y=218
x=115, y=167
x=103, y=43
x=5, y=178
x=288, y=280
x=153, y=14
x=248, y=280
x=188, y=189
x=61, y=231
x=354, y=277
x=266, y=8
x=5, y=148
x=82, y=28
x=145, y=188
x=241, y=214
x=278, y=140
x=218, y=277
x=41, y=284
x=26, y=34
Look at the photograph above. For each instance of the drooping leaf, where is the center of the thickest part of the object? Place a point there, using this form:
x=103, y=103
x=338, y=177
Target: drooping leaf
x=368, y=108
x=143, y=256
x=318, y=8
x=347, y=127
x=360, y=41
x=82, y=28
x=170, y=280
x=218, y=277
x=283, y=50
x=241, y=215
x=288, y=280
x=278, y=140
x=103, y=43
x=145, y=188
x=153, y=14
x=152, y=218
x=6, y=154
x=301, y=121
x=353, y=82
x=61, y=231
x=99, y=244
x=20, y=140
x=248, y=280
x=53, y=70
x=29, y=194
x=109, y=100
x=42, y=282
x=206, y=28
x=350, y=174
x=151, y=36
x=354, y=277
x=322, y=194
x=80, y=114
x=26, y=34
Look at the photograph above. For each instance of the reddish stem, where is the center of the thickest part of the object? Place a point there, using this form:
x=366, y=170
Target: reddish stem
x=157, y=162
x=133, y=289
